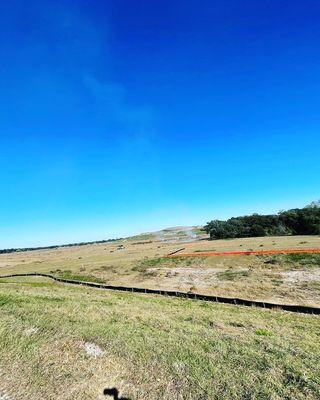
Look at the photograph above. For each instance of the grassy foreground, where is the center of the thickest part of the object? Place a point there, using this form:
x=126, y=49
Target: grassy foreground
x=149, y=347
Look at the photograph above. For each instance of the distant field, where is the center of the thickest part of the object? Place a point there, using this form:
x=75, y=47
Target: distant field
x=141, y=261
x=67, y=343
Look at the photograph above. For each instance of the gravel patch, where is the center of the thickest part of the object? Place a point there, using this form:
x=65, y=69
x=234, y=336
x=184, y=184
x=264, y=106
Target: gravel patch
x=197, y=271
x=294, y=277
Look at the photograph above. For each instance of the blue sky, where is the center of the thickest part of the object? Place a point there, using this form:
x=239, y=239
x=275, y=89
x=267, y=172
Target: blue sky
x=118, y=117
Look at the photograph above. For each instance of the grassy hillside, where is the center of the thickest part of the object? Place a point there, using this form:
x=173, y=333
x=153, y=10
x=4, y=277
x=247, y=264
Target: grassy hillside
x=60, y=342
x=141, y=262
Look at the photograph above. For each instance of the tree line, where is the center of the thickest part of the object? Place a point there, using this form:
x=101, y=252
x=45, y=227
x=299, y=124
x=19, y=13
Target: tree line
x=56, y=246
x=296, y=221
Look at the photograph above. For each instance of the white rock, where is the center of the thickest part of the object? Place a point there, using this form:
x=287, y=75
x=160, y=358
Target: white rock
x=29, y=332
x=92, y=350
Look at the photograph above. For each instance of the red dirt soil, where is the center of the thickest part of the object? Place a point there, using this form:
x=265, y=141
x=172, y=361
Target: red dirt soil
x=239, y=253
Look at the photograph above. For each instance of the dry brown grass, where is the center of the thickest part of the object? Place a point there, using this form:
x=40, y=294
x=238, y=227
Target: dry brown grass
x=153, y=347
x=256, y=277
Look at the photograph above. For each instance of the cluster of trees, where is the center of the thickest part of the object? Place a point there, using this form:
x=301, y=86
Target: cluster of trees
x=15, y=250
x=297, y=221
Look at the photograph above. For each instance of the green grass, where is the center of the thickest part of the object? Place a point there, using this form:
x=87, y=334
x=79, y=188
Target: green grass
x=154, y=348
x=199, y=231
x=182, y=234
x=204, y=250
x=305, y=259
x=67, y=274
x=232, y=275
x=142, y=237
x=262, y=332
x=156, y=262
x=164, y=262
x=289, y=261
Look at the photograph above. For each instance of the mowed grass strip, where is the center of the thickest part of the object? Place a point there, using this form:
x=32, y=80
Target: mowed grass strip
x=151, y=347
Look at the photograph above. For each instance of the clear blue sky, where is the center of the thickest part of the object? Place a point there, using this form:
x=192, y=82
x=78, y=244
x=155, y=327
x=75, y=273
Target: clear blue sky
x=118, y=117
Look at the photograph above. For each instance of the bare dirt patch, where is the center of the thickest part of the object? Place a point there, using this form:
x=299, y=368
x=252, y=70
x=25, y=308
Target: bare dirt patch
x=294, y=277
x=201, y=277
x=93, y=350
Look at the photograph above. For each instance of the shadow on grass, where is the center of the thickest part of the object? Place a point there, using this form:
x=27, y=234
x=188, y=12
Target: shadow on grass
x=113, y=392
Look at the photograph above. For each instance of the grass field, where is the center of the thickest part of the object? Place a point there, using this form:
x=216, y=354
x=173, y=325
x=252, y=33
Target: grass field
x=60, y=342
x=141, y=261
x=65, y=343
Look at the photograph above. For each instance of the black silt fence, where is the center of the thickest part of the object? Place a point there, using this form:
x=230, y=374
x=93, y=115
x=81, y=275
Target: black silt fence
x=194, y=296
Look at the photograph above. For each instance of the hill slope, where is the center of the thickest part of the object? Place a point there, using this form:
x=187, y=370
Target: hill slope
x=142, y=262
x=63, y=343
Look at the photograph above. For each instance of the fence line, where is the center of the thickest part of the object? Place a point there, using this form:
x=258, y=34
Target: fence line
x=239, y=253
x=197, y=296
x=175, y=252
